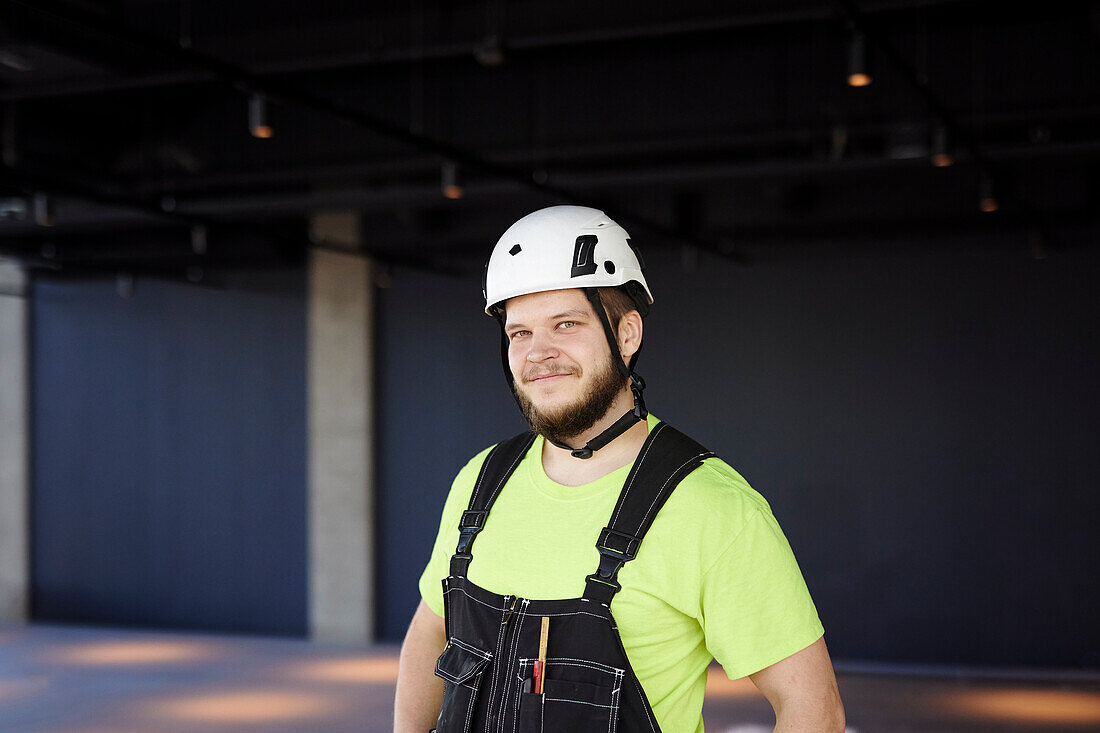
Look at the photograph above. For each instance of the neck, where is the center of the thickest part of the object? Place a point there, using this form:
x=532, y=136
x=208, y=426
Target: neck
x=563, y=468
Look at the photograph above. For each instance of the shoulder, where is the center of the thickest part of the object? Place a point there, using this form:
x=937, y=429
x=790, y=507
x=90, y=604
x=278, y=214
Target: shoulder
x=715, y=499
x=718, y=482
x=463, y=486
x=467, y=475
x=710, y=511
x=714, y=494
x=715, y=481
x=473, y=466
x=516, y=444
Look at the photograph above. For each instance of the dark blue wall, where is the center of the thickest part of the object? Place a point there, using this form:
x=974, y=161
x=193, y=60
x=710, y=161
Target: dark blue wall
x=441, y=399
x=169, y=454
x=922, y=422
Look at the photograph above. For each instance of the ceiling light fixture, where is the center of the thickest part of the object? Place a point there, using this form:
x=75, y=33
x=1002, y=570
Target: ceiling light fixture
x=987, y=202
x=859, y=74
x=257, y=118
x=942, y=150
x=450, y=183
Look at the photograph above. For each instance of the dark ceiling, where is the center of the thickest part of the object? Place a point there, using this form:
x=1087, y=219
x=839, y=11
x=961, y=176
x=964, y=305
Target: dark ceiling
x=725, y=126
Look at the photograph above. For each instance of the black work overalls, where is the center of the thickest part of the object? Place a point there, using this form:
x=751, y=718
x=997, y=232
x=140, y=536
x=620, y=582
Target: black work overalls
x=493, y=640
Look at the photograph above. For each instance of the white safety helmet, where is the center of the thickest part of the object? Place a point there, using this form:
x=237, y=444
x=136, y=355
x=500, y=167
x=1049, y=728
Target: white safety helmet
x=563, y=247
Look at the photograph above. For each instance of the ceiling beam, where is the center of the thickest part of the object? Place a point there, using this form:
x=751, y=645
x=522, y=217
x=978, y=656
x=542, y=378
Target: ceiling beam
x=284, y=93
x=464, y=48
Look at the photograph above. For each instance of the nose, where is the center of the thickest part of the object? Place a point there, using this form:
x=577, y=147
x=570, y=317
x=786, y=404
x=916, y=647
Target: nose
x=541, y=347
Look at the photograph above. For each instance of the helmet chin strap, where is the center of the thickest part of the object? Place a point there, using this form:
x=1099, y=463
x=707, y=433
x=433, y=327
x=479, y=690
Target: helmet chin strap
x=620, y=426
x=637, y=384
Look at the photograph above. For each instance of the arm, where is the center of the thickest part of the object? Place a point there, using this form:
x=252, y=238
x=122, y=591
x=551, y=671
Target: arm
x=802, y=690
x=419, y=691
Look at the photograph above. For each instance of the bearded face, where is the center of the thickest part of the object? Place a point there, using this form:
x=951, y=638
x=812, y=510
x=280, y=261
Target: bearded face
x=564, y=421
x=561, y=363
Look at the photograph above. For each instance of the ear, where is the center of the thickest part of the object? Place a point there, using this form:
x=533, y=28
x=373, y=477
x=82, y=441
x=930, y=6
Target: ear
x=630, y=334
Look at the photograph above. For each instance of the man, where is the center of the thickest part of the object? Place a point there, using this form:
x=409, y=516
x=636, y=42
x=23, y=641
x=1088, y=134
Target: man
x=553, y=621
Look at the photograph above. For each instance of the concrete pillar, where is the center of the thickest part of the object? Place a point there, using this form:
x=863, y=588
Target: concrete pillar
x=14, y=442
x=341, y=434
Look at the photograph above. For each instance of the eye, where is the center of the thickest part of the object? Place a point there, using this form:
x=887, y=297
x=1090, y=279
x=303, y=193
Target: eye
x=516, y=334
x=567, y=324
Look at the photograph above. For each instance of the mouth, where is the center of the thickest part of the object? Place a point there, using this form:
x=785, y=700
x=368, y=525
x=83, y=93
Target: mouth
x=547, y=378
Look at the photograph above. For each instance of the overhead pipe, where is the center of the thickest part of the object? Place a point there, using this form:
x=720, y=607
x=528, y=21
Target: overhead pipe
x=459, y=49
x=253, y=84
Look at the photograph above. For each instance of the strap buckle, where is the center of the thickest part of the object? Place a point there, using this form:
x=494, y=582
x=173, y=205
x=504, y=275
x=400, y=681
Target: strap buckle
x=616, y=549
x=637, y=384
x=472, y=522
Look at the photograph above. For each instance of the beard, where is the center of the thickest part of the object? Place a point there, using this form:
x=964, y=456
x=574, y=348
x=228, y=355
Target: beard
x=569, y=421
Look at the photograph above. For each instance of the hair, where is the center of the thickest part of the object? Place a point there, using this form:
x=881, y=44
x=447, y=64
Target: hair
x=617, y=302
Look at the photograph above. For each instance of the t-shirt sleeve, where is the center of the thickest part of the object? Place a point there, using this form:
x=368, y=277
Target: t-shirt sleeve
x=756, y=607
x=439, y=564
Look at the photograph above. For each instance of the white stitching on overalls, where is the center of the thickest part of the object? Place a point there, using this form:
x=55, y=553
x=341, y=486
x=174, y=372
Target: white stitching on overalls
x=472, y=649
x=522, y=613
x=662, y=491
x=615, y=703
x=498, y=608
x=508, y=474
x=629, y=486
x=567, y=613
x=588, y=664
x=598, y=666
x=493, y=686
x=577, y=702
x=478, y=600
x=652, y=722
x=519, y=693
x=470, y=711
x=615, y=672
x=481, y=477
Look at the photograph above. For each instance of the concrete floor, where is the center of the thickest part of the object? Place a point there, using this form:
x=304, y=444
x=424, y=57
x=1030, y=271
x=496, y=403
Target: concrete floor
x=69, y=679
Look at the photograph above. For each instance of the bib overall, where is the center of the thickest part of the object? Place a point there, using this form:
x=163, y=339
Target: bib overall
x=493, y=640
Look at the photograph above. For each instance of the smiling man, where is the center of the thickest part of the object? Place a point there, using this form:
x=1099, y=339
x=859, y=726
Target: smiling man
x=615, y=556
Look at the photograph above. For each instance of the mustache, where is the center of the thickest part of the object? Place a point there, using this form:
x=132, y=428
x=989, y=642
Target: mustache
x=537, y=372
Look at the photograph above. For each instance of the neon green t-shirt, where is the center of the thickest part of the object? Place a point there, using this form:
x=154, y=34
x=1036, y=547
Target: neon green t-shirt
x=714, y=576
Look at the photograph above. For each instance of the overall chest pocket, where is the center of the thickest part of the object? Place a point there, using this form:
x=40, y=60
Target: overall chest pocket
x=462, y=668
x=578, y=696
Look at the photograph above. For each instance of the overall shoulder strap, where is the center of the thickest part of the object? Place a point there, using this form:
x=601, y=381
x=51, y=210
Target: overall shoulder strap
x=664, y=460
x=495, y=472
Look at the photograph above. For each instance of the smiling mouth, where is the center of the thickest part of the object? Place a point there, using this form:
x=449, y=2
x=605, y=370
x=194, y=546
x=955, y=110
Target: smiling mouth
x=543, y=378
x=546, y=377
